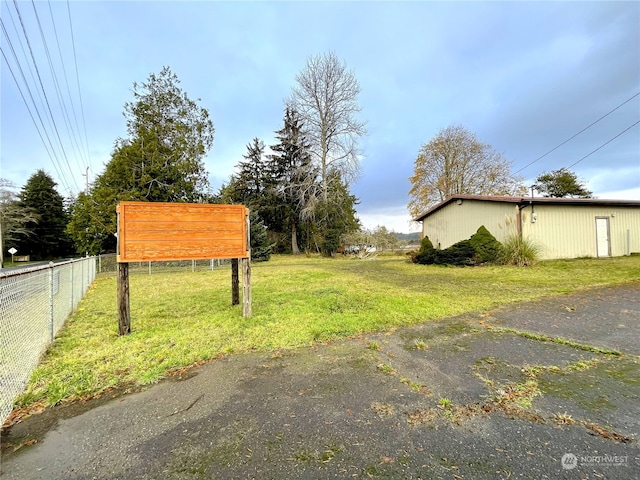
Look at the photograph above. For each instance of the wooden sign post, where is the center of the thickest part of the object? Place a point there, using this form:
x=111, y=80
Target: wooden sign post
x=149, y=231
x=124, y=308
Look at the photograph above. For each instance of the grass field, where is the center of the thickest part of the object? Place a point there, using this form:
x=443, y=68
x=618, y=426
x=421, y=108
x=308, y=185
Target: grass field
x=180, y=318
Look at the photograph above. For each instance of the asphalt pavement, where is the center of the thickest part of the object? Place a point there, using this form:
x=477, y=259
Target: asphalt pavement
x=542, y=389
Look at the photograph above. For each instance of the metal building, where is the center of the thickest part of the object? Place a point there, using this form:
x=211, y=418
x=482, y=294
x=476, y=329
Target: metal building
x=561, y=227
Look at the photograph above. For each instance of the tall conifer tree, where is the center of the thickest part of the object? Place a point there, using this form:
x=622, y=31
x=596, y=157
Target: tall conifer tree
x=161, y=159
x=45, y=238
x=294, y=178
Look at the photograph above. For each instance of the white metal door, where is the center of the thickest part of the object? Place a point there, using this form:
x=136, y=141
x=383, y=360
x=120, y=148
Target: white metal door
x=602, y=236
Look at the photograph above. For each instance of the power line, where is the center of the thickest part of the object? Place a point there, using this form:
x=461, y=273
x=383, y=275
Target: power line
x=574, y=136
x=55, y=144
x=65, y=114
x=51, y=117
x=75, y=62
x=24, y=54
x=606, y=143
x=74, y=138
x=27, y=105
x=52, y=152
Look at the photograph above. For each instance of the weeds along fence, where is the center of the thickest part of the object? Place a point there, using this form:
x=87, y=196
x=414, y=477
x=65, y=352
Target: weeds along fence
x=34, y=304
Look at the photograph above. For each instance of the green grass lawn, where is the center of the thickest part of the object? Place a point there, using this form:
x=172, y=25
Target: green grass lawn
x=179, y=318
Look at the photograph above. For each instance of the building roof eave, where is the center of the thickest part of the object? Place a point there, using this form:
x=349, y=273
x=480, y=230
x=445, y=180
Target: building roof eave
x=527, y=201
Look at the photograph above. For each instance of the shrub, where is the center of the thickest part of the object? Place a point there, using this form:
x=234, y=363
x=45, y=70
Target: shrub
x=461, y=253
x=487, y=248
x=519, y=251
x=482, y=247
x=427, y=254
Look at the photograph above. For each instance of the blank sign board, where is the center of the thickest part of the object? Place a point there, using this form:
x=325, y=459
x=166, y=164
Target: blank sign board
x=150, y=231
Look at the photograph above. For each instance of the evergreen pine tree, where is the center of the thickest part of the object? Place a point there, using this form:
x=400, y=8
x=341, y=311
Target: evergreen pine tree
x=46, y=238
x=160, y=160
x=260, y=246
x=294, y=179
x=337, y=216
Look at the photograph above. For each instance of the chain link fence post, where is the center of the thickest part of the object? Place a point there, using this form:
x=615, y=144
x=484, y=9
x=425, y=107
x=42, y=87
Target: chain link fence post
x=51, y=319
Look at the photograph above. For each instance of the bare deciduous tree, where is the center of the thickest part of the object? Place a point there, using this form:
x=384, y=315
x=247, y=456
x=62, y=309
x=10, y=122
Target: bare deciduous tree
x=456, y=162
x=14, y=217
x=326, y=98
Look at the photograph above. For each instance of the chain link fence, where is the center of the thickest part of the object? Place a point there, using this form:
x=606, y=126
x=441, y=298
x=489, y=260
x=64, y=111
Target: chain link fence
x=36, y=301
x=34, y=304
x=108, y=264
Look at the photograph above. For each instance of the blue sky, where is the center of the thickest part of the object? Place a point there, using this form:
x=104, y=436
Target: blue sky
x=522, y=76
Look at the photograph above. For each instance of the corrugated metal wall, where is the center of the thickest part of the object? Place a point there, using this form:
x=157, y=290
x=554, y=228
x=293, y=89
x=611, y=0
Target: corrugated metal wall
x=562, y=231
x=569, y=231
x=458, y=221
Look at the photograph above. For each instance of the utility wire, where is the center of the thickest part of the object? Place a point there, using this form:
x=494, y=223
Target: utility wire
x=606, y=143
x=56, y=84
x=50, y=118
x=79, y=152
x=27, y=105
x=574, y=136
x=24, y=54
x=52, y=152
x=38, y=111
x=75, y=61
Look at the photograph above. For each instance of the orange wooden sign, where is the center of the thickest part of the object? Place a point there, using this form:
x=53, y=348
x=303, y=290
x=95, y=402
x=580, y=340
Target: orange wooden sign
x=154, y=231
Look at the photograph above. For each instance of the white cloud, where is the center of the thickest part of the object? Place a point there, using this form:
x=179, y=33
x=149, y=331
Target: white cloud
x=613, y=181
x=396, y=219
x=628, y=194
